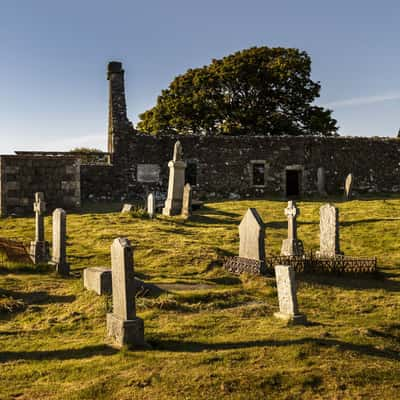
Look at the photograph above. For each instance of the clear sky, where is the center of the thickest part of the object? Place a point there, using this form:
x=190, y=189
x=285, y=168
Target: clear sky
x=54, y=55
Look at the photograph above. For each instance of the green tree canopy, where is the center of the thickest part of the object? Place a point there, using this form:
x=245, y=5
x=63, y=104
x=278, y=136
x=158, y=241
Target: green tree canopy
x=257, y=91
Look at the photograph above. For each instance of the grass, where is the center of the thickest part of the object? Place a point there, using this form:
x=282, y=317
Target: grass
x=220, y=341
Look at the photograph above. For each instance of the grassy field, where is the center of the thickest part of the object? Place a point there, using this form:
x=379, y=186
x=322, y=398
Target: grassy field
x=220, y=341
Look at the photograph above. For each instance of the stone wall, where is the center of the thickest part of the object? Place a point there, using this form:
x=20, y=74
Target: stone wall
x=21, y=176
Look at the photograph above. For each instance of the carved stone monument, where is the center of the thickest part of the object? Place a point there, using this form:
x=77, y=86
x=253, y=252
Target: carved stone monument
x=329, y=232
x=173, y=204
x=321, y=181
x=286, y=285
x=39, y=250
x=123, y=326
x=97, y=279
x=151, y=205
x=292, y=246
x=187, y=201
x=59, y=256
x=348, y=186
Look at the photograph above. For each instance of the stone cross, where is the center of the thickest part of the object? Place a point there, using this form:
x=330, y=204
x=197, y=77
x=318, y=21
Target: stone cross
x=123, y=326
x=252, y=236
x=151, y=205
x=292, y=246
x=173, y=204
x=348, y=186
x=329, y=231
x=59, y=258
x=187, y=201
x=39, y=249
x=287, y=298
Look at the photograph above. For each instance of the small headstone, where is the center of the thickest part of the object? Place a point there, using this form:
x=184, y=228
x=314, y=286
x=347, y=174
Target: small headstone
x=97, y=279
x=187, y=201
x=329, y=232
x=286, y=285
x=127, y=208
x=39, y=249
x=292, y=246
x=123, y=326
x=59, y=257
x=176, y=181
x=252, y=236
x=348, y=186
x=151, y=205
x=321, y=181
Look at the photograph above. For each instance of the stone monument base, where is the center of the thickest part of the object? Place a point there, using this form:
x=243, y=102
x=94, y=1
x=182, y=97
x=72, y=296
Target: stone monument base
x=241, y=265
x=292, y=319
x=125, y=332
x=98, y=279
x=172, y=207
x=62, y=269
x=292, y=247
x=39, y=252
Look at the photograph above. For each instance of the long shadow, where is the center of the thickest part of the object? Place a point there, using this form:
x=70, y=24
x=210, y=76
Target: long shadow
x=194, y=347
x=366, y=221
x=66, y=354
x=352, y=282
x=39, y=297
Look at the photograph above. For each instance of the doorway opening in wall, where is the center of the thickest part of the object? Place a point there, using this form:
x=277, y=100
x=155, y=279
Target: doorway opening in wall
x=292, y=183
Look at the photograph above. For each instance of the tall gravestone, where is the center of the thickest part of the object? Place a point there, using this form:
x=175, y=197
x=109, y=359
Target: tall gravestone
x=287, y=297
x=123, y=326
x=321, y=181
x=329, y=231
x=348, y=186
x=292, y=246
x=151, y=205
x=187, y=201
x=59, y=256
x=39, y=249
x=173, y=204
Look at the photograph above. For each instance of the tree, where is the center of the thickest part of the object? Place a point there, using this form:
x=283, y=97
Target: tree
x=257, y=91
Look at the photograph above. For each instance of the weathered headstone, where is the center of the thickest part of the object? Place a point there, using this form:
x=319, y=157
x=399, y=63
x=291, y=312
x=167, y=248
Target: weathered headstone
x=348, y=186
x=151, y=205
x=39, y=249
x=173, y=204
x=292, y=246
x=127, y=208
x=59, y=256
x=97, y=279
x=123, y=326
x=321, y=181
x=187, y=201
x=286, y=285
x=329, y=231
x=252, y=236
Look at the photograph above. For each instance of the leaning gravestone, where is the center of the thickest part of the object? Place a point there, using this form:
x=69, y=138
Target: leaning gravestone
x=348, y=186
x=286, y=285
x=187, y=201
x=173, y=204
x=123, y=326
x=127, y=208
x=151, y=205
x=39, y=249
x=292, y=246
x=252, y=246
x=59, y=256
x=329, y=232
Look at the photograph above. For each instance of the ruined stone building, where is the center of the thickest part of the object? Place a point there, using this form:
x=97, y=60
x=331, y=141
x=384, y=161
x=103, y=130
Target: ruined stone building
x=217, y=167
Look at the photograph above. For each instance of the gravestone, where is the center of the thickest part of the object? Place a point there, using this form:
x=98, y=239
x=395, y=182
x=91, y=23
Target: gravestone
x=321, y=181
x=286, y=285
x=151, y=205
x=173, y=204
x=39, y=249
x=123, y=326
x=329, y=232
x=292, y=246
x=59, y=256
x=348, y=186
x=187, y=201
x=97, y=279
x=127, y=208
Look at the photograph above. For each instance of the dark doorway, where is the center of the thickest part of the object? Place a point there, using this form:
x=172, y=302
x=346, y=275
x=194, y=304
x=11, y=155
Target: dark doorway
x=191, y=173
x=292, y=183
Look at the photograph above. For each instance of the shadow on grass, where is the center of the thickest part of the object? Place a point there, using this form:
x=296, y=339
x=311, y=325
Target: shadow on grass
x=367, y=221
x=26, y=269
x=66, y=354
x=381, y=281
x=194, y=347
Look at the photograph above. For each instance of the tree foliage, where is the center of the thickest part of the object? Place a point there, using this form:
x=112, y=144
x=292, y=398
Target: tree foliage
x=257, y=91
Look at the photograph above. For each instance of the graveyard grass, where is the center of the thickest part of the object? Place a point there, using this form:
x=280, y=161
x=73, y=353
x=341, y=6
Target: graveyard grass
x=220, y=340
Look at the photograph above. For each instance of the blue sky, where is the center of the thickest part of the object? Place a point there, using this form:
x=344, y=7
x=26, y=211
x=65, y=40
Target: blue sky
x=54, y=54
